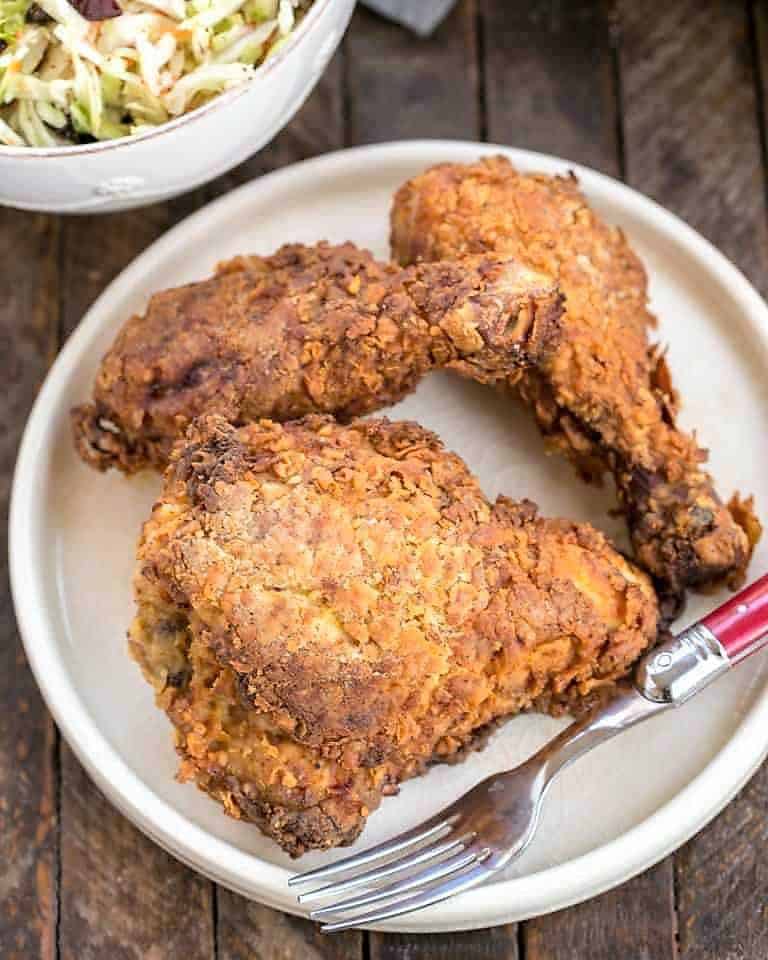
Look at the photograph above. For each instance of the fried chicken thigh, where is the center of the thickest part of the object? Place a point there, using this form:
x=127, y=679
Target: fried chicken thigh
x=324, y=610
x=312, y=329
x=604, y=396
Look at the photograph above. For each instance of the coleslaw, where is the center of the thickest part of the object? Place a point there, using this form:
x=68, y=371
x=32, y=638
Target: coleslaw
x=86, y=70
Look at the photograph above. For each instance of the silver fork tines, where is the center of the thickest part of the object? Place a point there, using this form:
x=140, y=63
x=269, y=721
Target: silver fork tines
x=470, y=841
x=377, y=874
x=470, y=876
x=423, y=878
x=436, y=827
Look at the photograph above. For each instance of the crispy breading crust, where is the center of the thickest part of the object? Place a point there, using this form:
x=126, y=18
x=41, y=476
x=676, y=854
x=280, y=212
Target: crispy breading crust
x=324, y=610
x=605, y=397
x=320, y=329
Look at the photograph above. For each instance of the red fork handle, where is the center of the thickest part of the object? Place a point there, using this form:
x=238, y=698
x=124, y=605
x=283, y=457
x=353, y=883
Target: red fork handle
x=741, y=623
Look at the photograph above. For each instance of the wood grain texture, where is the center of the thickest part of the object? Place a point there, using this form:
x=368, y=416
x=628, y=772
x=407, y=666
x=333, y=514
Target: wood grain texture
x=632, y=921
x=722, y=882
x=758, y=16
x=693, y=143
x=690, y=120
x=122, y=897
x=249, y=931
x=96, y=248
x=28, y=322
x=401, y=86
x=549, y=79
x=497, y=943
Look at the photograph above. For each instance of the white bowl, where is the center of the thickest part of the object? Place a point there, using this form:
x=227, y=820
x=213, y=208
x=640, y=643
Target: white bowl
x=73, y=534
x=182, y=154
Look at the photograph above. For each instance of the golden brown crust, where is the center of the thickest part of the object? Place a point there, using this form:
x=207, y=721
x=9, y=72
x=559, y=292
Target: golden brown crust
x=320, y=329
x=605, y=397
x=324, y=610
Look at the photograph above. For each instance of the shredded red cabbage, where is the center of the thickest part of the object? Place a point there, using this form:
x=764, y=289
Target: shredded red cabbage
x=97, y=9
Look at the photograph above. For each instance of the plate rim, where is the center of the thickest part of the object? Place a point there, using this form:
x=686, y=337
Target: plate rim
x=504, y=901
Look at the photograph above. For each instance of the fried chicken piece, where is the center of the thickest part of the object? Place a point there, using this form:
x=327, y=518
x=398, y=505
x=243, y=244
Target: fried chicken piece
x=324, y=610
x=320, y=329
x=604, y=397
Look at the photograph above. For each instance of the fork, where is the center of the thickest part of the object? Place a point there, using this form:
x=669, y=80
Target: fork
x=490, y=826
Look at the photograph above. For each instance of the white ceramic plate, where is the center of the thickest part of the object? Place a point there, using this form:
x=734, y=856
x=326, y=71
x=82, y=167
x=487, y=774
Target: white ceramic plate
x=73, y=533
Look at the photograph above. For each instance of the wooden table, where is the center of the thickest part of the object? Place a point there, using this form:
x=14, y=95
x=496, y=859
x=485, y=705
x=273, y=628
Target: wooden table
x=666, y=94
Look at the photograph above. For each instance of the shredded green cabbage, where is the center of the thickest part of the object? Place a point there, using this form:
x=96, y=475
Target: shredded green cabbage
x=68, y=79
x=12, y=19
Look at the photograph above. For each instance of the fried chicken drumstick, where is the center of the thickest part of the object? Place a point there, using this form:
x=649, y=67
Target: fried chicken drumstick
x=312, y=329
x=324, y=610
x=604, y=396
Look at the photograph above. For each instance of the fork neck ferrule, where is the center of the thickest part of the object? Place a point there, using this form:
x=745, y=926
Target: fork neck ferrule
x=681, y=666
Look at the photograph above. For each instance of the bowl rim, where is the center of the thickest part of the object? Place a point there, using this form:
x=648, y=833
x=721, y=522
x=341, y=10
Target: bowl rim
x=313, y=17
x=504, y=901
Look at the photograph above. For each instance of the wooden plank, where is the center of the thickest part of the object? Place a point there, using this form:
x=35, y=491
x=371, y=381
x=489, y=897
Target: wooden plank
x=633, y=921
x=758, y=12
x=402, y=86
x=249, y=931
x=28, y=321
x=691, y=137
x=121, y=896
x=549, y=79
x=722, y=882
x=692, y=142
x=96, y=248
x=496, y=943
